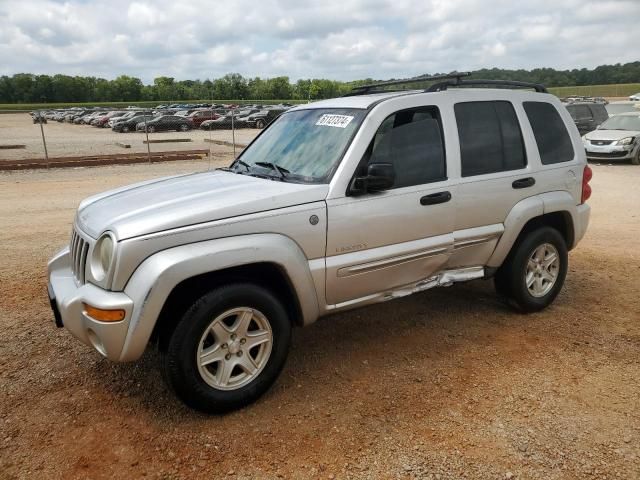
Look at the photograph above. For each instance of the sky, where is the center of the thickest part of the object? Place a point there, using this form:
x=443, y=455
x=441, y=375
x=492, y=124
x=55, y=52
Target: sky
x=341, y=40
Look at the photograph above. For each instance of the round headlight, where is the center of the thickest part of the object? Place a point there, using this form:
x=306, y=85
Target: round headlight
x=102, y=257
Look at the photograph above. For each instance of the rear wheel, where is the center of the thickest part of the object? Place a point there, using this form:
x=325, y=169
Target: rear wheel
x=534, y=272
x=635, y=160
x=259, y=123
x=151, y=129
x=183, y=127
x=125, y=129
x=228, y=348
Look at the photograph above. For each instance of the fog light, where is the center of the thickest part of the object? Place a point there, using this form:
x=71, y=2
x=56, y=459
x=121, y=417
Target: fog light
x=104, y=315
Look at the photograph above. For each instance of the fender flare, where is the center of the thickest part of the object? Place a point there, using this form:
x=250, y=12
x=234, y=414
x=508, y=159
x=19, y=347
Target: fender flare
x=526, y=210
x=153, y=281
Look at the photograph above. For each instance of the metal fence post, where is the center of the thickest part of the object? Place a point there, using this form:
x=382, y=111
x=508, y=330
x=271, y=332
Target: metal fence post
x=209, y=168
x=146, y=131
x=44, y=140
x=233, y=132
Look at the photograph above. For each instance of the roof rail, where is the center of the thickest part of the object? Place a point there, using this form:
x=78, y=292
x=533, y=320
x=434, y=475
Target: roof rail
x=438, y=87
x=372, y=88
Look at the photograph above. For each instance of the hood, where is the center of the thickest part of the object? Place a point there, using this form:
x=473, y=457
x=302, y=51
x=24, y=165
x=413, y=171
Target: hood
x=173, y=202
x=610, y=134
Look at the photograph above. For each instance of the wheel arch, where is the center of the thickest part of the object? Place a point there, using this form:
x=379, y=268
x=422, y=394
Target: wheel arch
x=554, y=209
x=267, y=275
x=272, y=260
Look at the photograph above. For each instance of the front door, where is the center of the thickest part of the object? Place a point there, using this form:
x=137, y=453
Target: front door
x=381, y=242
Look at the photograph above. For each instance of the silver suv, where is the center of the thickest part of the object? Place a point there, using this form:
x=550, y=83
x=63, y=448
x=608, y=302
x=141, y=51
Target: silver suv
x=335, y=205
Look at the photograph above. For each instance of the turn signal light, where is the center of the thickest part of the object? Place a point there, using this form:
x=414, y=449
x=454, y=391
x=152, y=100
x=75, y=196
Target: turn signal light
x=104, y=315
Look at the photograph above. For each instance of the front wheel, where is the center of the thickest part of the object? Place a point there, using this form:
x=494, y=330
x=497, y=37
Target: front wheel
x=260, y=124
x=184, y=128
x=635, y=160
x=228, y=348
x=534, y=272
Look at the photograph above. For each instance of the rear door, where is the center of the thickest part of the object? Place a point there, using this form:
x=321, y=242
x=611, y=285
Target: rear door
x=380, y=242
x=495, y=175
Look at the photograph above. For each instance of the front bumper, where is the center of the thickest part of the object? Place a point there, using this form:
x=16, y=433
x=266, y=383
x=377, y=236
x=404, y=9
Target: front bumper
x=612, y=152
x=67, y=301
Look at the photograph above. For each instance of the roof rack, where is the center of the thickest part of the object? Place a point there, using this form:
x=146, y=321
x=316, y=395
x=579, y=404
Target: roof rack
x=373, y=87
x=438, y=87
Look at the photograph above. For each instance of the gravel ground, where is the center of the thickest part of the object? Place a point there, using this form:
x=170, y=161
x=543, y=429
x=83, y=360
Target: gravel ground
x=444, y=384
x=64, y=139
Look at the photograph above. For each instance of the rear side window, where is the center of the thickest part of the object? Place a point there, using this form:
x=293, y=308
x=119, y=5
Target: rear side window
x=579, y=112
x=554, y=143
x=412, y=141
x=490, y=138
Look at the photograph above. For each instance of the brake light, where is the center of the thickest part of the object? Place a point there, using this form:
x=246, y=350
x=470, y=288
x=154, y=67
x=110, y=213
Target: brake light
x=587, y=175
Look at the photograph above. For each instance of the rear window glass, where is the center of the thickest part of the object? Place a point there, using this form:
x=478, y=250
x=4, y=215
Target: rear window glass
x=554, y=143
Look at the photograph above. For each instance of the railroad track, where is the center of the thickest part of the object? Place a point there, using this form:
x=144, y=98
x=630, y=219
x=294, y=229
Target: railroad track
x=99, y=160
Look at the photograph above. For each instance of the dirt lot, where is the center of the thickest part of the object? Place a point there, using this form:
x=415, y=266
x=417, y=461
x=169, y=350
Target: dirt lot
x=64, y=139
x=449, y=383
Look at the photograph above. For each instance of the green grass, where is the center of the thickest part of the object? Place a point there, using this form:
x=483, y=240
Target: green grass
x=21, y=107
x=619, y=90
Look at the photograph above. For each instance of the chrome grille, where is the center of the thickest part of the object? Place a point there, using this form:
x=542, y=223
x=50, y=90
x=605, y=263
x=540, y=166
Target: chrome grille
x=78, y=249
x=601, y=142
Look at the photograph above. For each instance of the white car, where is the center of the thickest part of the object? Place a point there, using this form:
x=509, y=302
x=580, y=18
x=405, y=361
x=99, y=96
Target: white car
x=616, y=139
x=635, y=97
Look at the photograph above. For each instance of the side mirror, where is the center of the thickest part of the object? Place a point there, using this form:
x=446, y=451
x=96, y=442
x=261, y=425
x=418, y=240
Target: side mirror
x=380, y=177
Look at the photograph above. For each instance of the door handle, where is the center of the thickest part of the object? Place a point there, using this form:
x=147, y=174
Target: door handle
x=435, y=198
x=524, y=182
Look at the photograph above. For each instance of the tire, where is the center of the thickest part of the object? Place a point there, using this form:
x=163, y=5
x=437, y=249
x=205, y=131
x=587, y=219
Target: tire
x=226, y=383
x=260, y=124
x=124, y=129
x=151, y=129
x=635, y=160
x=529, y=278
x=183, y=128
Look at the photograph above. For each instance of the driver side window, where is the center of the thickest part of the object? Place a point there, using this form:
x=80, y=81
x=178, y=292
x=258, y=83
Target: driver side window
x=413, y=142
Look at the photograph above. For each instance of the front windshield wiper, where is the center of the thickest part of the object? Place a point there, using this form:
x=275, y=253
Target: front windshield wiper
x=281, y=170
x=244, y=164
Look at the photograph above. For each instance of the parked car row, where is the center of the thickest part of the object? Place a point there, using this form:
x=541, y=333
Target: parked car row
x=179, y=117
x=589, y=115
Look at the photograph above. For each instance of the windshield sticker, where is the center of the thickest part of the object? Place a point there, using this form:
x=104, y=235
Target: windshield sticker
x=340, y=121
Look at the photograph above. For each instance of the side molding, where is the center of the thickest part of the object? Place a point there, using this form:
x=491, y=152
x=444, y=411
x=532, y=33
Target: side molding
x=155, y=278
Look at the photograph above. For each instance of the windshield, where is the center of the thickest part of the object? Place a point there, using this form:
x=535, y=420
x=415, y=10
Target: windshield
x=622, y=122
x=305, y=144
x=614, y=108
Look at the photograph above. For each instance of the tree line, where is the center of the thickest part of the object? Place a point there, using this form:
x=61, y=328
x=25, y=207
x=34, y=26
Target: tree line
x=31, y=88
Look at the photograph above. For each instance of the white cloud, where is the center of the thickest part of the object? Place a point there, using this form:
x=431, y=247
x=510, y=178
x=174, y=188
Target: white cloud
x=342, y=39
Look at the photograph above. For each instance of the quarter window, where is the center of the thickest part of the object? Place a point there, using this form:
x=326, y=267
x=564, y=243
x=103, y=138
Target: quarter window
x=413, y=142
x=490, y=138
x=550, y=132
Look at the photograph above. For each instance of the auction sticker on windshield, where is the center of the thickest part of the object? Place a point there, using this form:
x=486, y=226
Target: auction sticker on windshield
x=329, y=120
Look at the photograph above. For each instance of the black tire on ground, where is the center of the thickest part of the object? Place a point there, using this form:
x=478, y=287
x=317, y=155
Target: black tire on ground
x=260, y=124
x=179, y=356
x=124, y=129
x=151, y=129
x=184, y=128
x=635, y=160
x=511, y=278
